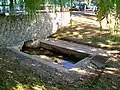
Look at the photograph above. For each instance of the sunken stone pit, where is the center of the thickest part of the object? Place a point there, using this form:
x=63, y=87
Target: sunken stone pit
x=73, y=63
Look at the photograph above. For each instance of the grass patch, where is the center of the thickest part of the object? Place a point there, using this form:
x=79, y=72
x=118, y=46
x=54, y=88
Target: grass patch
x=105, y=82
x=14, y=77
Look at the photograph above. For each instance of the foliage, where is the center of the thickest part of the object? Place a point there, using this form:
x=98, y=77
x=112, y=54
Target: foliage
x=105, y=7
x=108, y=8
x=33, y=4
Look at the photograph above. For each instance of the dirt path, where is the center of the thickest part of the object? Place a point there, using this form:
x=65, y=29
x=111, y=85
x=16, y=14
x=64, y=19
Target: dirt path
x=86, y=28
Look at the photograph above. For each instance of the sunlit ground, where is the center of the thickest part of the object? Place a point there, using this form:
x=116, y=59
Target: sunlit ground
x=86, y=28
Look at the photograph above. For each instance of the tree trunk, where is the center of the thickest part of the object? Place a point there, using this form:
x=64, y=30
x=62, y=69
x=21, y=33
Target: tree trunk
x=11, y=6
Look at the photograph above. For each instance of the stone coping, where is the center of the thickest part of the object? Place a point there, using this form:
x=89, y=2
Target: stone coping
x=71, y=47
x=44, y=68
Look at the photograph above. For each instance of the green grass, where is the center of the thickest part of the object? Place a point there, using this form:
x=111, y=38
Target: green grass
x=14, y=77
x=105, y=82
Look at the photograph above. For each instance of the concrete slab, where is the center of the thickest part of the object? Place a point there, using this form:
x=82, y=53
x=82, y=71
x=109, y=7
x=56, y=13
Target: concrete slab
x=85, y=64
x=92, y=63
x=62, y=45
x=99, y=60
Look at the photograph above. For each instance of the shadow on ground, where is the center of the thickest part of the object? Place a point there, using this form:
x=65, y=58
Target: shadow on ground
x=14, y=77
x=87, y=29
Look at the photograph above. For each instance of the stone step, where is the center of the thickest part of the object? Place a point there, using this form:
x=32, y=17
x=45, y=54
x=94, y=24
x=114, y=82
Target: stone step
x=92, y=63
x=70, y=47
x=85, y=64
x=99, y=61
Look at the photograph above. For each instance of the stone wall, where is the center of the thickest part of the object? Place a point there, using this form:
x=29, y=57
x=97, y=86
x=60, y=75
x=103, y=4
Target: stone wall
x=16, y=29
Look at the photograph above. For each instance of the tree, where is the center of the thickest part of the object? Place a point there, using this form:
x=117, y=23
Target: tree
x=106, y=8
x=109, y=9
x=11, y=5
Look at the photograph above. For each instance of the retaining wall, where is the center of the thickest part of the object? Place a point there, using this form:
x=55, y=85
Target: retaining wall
x=16, y=29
